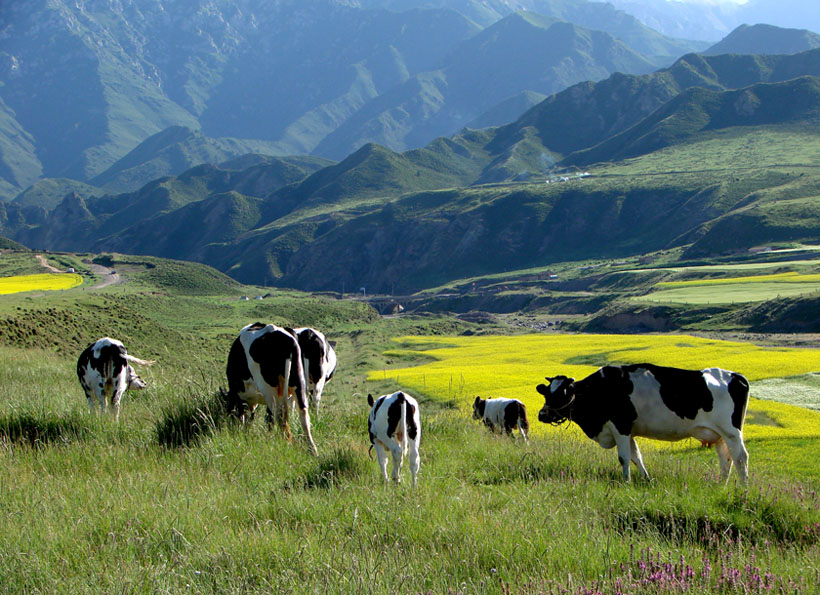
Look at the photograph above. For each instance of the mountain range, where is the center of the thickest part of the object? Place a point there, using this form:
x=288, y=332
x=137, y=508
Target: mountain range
x=400, y=221
x=83, y=84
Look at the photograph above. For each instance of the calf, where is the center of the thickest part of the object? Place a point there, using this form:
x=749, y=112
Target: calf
x=105, y=374
x=394, y=425
x=264, y=365
x=502, y=415
x=617, y=403
x=318, y=361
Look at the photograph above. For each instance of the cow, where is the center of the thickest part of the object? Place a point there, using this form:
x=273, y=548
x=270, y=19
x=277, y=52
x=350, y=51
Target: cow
x=394, y=424
x=105, y=374
x=318, y=362
x=264, y=366
x=502, y=415
x=617, y=403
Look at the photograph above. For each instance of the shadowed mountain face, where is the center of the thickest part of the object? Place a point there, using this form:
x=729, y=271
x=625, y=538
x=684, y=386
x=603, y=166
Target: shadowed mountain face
x=83, y=85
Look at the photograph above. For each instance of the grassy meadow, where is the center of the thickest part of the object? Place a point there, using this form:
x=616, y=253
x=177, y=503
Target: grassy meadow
x=177, y=497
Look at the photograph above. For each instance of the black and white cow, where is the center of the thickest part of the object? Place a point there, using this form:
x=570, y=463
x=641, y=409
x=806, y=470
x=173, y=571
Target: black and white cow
x=318, y=361
x=105, y=374
x=502, y=415
x=264, y=365
x=617, y=403
x=394, y=424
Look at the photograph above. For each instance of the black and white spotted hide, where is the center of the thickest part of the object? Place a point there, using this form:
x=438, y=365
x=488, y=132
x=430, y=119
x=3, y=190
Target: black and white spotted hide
x=105, y=374
x=318, y=362
x=618, y=403
x=264, y=366
x=502, y=415
x=394, y=425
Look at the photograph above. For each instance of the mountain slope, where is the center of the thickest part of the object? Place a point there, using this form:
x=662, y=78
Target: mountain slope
x=765, y=39
x=171, y=152
x=601, y=16
x=19, y=165
x=714, y=20
x=82, y=84
x=699, y=110
x=587, y=114
x=435, y=103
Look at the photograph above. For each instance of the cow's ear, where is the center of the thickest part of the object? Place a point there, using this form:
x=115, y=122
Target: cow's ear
x=477, y=401
x=369, y=399
x=548, y=378
x=543, y=389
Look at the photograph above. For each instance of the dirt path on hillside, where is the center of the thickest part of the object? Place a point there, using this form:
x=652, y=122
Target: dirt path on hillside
x=109, y=276
x=45, y=264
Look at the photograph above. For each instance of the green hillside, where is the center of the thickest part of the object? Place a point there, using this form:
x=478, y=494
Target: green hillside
x=589, y=113
x=678, y=159
x=47, y=193
x=699, y=110
x=171, y=152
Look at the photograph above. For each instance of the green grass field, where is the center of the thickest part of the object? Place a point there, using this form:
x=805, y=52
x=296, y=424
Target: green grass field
x=730, y=293
x=177, y=497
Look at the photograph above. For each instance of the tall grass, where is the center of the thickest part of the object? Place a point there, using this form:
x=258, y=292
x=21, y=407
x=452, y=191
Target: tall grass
x=177, y=498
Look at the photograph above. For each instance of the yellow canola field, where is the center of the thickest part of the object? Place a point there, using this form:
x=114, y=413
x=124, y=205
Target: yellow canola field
x=463, y=367
x=39, y=282
x=790, y=277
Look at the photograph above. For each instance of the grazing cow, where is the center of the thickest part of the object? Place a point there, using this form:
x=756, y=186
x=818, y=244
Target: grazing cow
x=105, y=374
x=502, y=415
x=617, y=403
x=318, y=362
x=264, y=365
x=394, y=425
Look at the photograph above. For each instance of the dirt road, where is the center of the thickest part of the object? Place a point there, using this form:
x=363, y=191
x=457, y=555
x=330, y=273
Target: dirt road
x=45, y=264
x=109, y=277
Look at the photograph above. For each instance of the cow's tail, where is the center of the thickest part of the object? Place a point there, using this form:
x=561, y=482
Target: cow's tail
x=108, y=389
x=136, y=360
x=404, y=440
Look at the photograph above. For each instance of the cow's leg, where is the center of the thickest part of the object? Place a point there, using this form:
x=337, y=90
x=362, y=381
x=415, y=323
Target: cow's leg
x=282, y=403
x=317, y=394
x=398, y=455
x=635, y=454
x=101, y=402
x=117, y=393
x=740, y=455
x=624, y=452
x=382, y=455
x=724, y=459
x=115, y=404
x=415, y=461
x=91, y=397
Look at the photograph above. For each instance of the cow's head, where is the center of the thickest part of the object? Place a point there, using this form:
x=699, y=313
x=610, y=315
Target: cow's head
x=559, y=395
x=134, y=381
x=478, y=407
x=237, y=407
